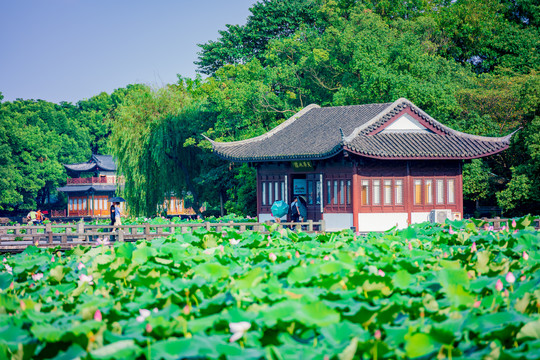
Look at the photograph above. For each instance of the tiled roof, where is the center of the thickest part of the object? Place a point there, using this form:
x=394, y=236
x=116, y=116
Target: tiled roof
x=96, y=162
x=317, y=133
x=85, y=188
x=105, y=162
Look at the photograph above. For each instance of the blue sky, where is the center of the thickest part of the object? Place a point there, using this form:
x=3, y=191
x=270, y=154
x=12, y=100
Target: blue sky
x=69, y=50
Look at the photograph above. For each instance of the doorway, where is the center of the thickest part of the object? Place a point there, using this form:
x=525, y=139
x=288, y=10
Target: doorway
x=309, y=186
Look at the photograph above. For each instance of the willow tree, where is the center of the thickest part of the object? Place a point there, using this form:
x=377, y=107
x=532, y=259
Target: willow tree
x=152, y=141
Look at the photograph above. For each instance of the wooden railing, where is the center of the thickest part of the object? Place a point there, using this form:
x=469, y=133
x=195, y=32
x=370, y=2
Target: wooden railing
x=90, y=180
x=499, y=223
x=17, y=238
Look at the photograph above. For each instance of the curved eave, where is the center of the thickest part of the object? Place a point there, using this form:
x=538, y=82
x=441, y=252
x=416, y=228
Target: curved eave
x=427, y=157
x=301, y=157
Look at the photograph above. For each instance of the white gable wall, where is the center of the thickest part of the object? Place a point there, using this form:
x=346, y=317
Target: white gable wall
x=405, y=122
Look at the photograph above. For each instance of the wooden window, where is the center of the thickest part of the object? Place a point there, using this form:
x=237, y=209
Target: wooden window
x=398, y=196
x=451, y=191
x=376, y=192
x=440, y=191
x=264, y=193
x=364, y=194
x=329, y=192
x=318, y=190
x=335, y=192
x=283, y=192
x=270, y=195
x=70, y=204
x=428, y=186
x=348, y=192
x=387, y=192
x=84, y=204
x=417, y=192
x=276, y=191
x=342, y=192
x=310, y=193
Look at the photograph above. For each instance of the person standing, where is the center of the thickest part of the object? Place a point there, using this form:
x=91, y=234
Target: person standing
x=113, y=218
x=295, y=210
x=117, y=214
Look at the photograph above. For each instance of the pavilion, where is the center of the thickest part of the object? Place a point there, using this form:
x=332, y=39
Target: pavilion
x=370, y=166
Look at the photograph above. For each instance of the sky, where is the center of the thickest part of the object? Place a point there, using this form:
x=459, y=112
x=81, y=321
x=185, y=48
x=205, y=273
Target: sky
x=70, y=50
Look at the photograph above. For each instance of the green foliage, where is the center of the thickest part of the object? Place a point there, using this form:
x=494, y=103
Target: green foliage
x=297, y=295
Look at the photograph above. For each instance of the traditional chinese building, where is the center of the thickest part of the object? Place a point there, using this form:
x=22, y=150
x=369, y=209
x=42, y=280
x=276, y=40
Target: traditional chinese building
x=370, y=166
x=90, y=185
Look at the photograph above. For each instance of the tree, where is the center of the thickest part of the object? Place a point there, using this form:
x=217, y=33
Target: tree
x=269, y=19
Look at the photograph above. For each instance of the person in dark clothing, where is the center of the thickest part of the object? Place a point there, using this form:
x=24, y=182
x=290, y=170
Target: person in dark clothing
x=295, y=210
x=113, y=218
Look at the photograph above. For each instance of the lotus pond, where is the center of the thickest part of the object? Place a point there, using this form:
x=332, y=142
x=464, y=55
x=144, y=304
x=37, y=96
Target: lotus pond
x=453, y=291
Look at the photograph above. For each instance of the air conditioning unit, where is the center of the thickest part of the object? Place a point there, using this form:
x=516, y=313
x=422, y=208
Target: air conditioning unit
x=440, y=215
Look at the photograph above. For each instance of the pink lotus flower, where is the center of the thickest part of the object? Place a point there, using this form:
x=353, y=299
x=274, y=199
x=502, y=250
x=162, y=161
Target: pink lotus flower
x=186, y=310
x=514, y=224
x=23, y=305
x=9, y=269
x=86, y=278
x=499, y=285
x=522, y=278
x=97, y=315
x=238, y=330
x=52, y=259
x=144, y=314
x=37, y=277
x=102, y=241
x=80, y=266
x=525, y=256
x=515, y=231
x=503, y=228
x=410, y=246
x=381, y=273
x=473, y=247
x=477, y=304
x=445, y=255
x=510, y=278
x=4, y=260
x=297, y=254
x=326, y=258
x=234, y=241
x=451, y=231
x=148, y=328
x=272, y=257
x=377, y=335
x=57, y=292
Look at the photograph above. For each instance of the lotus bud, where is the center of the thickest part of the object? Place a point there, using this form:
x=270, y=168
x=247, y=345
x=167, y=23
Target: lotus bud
x=510, y=278
x=410, y=246
x=525, y=256
x=297, y=254
x=148, y=328
x=381, y=273
x=377, y=334
x=477, y=304
x=272, y=257
x=473, y=247
x=326, y=258
x=499, y=285
x=514, y=224
x=97, y=315
x=451, y=231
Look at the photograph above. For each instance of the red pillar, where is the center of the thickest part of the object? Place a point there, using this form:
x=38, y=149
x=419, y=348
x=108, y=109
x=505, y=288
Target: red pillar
x=355, y=196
